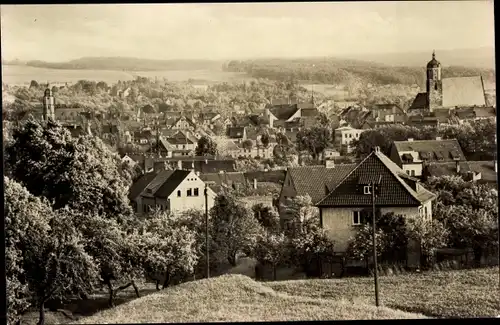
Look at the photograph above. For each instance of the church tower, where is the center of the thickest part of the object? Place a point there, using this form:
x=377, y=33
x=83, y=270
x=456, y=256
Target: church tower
x=48, y=104
x=434, y=84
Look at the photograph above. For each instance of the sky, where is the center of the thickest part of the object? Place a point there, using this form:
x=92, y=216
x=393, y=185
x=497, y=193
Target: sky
x=221, y=31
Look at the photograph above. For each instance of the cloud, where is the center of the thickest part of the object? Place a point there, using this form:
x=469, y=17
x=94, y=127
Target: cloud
x=164, y=31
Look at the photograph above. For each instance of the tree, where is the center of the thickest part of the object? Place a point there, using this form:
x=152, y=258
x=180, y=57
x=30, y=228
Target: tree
x=383, y=137
x=55, y=263
x=304, y=214
x=430, y=234
x=34, y=84
x=235, y=229
x=264, y=139
x=195, y=221
x=206, y=146
x=323, y=120
x=81, y=173
x=469, y=227
x=165, y=248
x=26, y=220
x=247, y=144
x=360, y=247
x=271, y=249
x=475, y=137
x=114, y=250
x=267, y=217
x=315, y=140
x=310, y=246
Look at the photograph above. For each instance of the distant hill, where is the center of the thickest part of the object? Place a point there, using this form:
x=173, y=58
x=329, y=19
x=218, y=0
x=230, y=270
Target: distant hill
x=355, y=72
x=128, y=64
x=483, y=57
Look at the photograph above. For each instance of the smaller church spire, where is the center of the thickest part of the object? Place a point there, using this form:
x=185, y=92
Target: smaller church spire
x=433, y=54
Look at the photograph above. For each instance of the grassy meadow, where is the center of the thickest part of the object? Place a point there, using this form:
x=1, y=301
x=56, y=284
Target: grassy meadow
x=448, y=294
x=236, y=297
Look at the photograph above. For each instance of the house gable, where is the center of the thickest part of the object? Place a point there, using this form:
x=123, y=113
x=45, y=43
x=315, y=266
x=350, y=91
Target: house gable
x=393, y=190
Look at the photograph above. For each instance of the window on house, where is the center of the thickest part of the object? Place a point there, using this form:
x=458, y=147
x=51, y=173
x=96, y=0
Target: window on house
x=196, y=192
x=367, y=189
x=412, y=172
x=179, y=193
x=356, y=218
x=425, y=212
x=189, y=192
x=408, y=172
x=184, y=146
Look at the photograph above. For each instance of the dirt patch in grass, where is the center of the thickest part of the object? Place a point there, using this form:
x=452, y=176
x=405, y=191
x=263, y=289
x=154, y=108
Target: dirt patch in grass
x=449, y=294
x=236, y=298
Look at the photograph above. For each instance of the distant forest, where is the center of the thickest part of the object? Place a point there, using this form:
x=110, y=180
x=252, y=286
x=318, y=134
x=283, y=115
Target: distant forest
x=337, y=71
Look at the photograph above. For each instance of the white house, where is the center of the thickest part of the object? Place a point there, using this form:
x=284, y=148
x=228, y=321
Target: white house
x=175, y=191
x=345, y=135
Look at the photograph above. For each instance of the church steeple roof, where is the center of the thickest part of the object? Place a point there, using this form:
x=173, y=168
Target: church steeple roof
x=433, y=63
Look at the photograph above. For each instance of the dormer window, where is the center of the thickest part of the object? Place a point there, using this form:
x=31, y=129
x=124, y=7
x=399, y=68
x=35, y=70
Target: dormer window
x=367, y=189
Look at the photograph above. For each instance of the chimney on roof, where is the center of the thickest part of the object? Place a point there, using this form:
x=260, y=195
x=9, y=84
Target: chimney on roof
x=255, y=183
x=179, y=164
x=329, y=163
x=410, y=139
x=376, y=149
x=438, y=138
x=457, y=166
x=198, y=174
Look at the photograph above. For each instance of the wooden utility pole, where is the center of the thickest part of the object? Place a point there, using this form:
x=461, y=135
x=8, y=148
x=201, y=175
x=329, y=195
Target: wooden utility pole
x=206, y=231
x=375, y=266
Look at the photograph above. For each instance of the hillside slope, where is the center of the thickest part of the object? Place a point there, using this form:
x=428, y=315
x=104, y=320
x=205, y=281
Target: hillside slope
x=233, y=298
x=352, y=73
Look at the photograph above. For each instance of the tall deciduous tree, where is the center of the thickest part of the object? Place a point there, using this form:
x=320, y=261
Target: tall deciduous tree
x=206, y=146
x=26, y=222
x=48, y=248
x=267, y=217
x=80, y=173
x=315, y=140
x=431, y=234
x=272, y=249
x=167, y=249
x=235, y=229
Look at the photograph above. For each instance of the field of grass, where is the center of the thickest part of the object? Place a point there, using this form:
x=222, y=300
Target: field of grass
x=18, y=74
x=236, y=298
x=464, y=293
